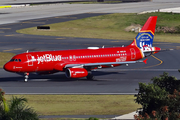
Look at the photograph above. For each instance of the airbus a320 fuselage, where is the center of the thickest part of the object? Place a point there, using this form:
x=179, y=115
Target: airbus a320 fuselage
x=79, y=63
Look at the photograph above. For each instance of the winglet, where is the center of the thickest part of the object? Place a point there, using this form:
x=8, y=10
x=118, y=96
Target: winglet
x=145, y=61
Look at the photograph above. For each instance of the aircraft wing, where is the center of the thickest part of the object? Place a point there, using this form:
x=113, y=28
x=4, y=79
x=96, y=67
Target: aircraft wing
x=105, y=63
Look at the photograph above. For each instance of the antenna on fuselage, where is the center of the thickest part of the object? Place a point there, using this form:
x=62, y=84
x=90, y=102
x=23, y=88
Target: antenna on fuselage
x=103, y=46
x=27, y=51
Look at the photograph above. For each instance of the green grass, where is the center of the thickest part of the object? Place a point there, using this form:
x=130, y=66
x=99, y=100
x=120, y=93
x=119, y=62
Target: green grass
x=81, y=104
x=5, y=57
x=111, y=26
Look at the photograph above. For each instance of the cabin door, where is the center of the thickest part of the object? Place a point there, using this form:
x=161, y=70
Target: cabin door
x=133, y=53
x=30, y=59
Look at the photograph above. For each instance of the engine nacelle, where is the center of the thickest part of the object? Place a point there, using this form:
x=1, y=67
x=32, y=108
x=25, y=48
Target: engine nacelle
x=76, y=72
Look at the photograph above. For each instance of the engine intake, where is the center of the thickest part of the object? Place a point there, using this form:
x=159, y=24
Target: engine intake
x=76, y=72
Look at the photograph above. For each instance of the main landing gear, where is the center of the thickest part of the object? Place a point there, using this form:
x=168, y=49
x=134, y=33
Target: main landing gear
x=26, y=77
x=90, y=76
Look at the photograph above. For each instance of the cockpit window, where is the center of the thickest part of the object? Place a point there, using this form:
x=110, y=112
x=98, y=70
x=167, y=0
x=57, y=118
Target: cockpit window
x=15, y=60
x=12, y=60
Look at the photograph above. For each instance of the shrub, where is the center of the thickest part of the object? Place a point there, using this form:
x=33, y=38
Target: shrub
x=15, y=109
x=92, y=118
x=159, y=99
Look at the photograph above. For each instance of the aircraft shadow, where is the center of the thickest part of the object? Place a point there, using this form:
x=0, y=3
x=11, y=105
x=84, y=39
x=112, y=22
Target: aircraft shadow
x=56, y=77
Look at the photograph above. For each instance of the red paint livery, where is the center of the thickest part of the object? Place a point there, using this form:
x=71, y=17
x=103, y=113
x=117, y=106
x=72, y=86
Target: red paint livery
x=150, y=25
x=79, y=63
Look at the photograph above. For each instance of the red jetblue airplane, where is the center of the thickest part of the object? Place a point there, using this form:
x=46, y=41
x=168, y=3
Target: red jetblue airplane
x=79, y=63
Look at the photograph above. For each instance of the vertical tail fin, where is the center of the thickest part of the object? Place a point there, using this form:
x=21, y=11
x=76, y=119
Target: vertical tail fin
x=146, y=35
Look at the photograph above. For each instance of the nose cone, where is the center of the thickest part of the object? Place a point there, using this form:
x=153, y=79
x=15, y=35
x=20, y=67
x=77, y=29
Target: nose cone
x=8, y=67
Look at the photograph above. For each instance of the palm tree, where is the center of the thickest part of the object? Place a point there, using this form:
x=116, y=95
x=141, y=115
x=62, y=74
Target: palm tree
x=16, y=109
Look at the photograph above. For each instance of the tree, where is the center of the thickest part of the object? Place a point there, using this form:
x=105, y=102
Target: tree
x=15, y=109
x=159, y=99
x=151, y=97
x=169, y=83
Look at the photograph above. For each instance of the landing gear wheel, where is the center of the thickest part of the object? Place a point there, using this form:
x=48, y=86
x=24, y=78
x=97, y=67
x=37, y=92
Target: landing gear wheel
x=90, y=77
x=26, y=77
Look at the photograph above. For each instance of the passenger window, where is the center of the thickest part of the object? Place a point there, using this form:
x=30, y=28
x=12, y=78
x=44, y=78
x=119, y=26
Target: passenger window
x=19, y=60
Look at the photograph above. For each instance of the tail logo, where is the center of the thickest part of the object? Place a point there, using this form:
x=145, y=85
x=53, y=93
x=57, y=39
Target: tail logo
x=144, y=39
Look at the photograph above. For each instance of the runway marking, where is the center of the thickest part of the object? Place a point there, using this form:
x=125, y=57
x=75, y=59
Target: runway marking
x=156, y=64
x=39, y=43
x=115, y=41
x=119, y=70
x=29, y=43
x=87, y=44
x=60, y=38
x=6, y=6
x=118, y=41
x=47, y=19
x=17, y=35
x=177, y=47
x=34, y=22
x=64, y=43
x=5, y=42
x=152, y=65
x=7, y=50
x=12, y=49
x=18, y=49
x=162, y=43
x=5, y=28
x=10, y=35
x=67, y=17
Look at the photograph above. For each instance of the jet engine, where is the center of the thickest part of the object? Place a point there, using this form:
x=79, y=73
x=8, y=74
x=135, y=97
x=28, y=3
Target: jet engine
x=76, y=72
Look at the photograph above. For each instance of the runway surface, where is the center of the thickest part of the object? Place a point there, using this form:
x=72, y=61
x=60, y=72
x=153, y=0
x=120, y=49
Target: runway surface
x=41, y=1
x=119, y=80
x=12, y=2
x=13, y=15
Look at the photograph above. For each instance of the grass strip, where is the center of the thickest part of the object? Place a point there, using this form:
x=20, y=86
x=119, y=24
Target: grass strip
x=5, y=57
x=111, y=26
x=81, y=104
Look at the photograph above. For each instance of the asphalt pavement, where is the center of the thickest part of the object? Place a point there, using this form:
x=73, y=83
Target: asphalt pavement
x=18, y=14
x=108, y=81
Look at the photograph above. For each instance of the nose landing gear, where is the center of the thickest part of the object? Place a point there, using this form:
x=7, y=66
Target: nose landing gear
x=26, y=77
